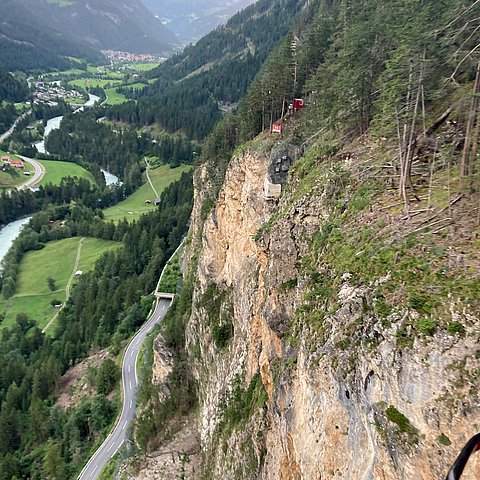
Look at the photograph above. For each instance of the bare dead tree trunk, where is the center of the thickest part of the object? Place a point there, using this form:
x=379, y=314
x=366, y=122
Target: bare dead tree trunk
x=465, y=163
x=475, y=138
x=401, y=183
x=271, y=113
x=412, y=137
x=432, y=170
x=407, y=140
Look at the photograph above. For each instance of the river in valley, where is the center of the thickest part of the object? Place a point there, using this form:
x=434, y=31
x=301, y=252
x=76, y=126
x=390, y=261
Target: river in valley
x=110, y=178
x=9, y=233
x=54, y=123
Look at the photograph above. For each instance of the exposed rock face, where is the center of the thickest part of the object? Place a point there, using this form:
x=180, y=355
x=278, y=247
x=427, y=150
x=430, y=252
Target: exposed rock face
x=178, y=459
x=162, y=365
x=336, y=408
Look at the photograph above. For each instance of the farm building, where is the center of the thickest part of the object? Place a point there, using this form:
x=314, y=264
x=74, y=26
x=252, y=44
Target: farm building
x=17, y=164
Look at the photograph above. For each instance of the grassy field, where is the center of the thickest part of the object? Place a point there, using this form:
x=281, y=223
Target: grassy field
x=22, y=107
x=134, y=206
x=55, y=171
x=114, y=97
x=15, y=177
x=93, y=82
x=74, y=100
x=56, y=260
x=140, y=67
x=135, y=86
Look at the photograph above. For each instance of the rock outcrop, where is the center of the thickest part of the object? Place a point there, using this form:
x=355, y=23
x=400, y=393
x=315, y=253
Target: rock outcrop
x=344, y=400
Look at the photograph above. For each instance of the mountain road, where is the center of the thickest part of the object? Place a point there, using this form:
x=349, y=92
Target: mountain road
x=117, y=437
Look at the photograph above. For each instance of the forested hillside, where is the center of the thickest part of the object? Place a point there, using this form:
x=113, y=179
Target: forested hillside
x=331, y=329
x=105, y=24
x=12, y=89
x=218, y=69
x=39, y=438
x=28, y=43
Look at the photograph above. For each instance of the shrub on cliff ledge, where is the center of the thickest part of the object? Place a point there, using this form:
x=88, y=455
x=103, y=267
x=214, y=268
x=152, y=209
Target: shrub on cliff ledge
x=403, y=423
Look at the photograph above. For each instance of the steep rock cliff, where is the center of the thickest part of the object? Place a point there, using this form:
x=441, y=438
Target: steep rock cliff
x=355, y=381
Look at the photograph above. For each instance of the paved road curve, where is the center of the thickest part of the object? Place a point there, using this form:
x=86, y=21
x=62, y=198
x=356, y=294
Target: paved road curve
x=37, y=176
x=5, y=135
x=116, y=438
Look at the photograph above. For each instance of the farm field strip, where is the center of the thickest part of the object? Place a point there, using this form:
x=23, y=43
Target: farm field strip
x=134, y=206
x=56, y=260
x=56, y=170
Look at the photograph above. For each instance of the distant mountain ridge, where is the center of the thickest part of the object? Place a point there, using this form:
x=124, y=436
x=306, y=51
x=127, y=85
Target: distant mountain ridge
x=194, y=88
x=28, y=43
x=106, y=24
x=192, y=19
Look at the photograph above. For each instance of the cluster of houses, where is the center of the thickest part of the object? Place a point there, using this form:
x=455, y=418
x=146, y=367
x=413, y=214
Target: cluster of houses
x=118, y=56
x=8, y=162
x=50, y=92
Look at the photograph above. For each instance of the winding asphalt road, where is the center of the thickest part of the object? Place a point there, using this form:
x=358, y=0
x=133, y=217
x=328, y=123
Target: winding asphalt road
x=37, y=175
x=117, y=437
x=5, y=135
x=39, y=171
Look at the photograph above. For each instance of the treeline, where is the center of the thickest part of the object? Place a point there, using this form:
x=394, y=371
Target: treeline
x=173, y=150
x=22, y=139
x=17, y=204
x=360, y=61
x=12, y=89
x=219, y=67
x=193, y=112
x=40, y=439
x=8, y=115
x=44, y=111
x=81, y=138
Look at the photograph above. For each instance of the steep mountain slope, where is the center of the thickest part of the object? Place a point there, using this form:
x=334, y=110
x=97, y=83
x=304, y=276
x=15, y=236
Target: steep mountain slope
x=11, y=88
x=105, y=24
x=193, y=86
x=192, y=19
x=27, y=42
x=331, y=331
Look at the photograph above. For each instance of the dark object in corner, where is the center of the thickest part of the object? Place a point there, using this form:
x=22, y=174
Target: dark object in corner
x=472, y=446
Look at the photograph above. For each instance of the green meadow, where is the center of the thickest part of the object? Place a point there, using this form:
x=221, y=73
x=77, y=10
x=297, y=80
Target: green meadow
x=93, y=82
x=56, y=260
x=56, y=170
x=140, y=67
x=114, y=97
x=136, y=86
x=134, y=206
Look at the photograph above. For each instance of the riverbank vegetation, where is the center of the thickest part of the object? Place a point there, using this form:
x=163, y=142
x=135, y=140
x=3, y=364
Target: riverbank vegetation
x=18, y=204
